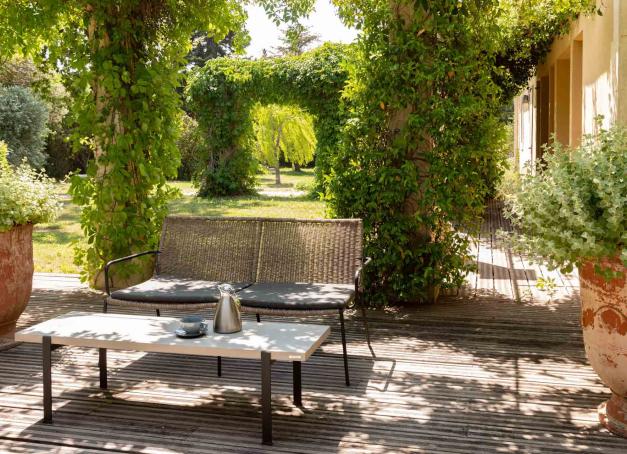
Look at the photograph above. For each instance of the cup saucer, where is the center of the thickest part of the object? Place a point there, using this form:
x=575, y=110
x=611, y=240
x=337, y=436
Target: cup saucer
x=180, y=332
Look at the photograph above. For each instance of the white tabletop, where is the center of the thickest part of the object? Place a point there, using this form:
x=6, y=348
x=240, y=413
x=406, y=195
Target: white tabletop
x=285, y=341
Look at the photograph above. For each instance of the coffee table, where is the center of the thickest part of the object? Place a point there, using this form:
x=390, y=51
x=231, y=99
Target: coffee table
x=267, y=341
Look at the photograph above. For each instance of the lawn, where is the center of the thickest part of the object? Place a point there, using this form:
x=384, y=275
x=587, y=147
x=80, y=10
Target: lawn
x=52, y=242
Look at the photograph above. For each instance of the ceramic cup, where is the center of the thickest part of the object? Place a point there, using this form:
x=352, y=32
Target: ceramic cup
x=191, y=323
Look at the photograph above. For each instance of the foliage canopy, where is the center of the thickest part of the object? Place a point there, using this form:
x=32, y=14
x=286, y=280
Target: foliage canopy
x=418, y=150
x=296, y=39
x=527, y=29
x=122, y=60
x=422, y=146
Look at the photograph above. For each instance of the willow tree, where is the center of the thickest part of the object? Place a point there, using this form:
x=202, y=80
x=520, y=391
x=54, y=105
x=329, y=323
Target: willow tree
x=283, y=132
x=122, y=61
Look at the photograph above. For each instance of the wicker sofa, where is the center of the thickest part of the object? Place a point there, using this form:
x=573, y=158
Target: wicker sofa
x=286, y=267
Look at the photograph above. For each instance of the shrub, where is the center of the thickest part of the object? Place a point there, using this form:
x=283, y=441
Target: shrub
x=19, y=71
x=23, y=120
x=26, y=195
x=47, y=86
x=509, y=184
x=190, y=144
x=63, y=159
x=575, y=208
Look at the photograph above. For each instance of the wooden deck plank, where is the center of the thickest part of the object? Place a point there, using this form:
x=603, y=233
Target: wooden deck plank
x=482, y=371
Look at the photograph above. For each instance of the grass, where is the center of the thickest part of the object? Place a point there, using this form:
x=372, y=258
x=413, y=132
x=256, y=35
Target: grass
x=52, y=243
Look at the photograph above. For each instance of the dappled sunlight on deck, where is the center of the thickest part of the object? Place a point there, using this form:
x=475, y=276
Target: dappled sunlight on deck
x=482, y=371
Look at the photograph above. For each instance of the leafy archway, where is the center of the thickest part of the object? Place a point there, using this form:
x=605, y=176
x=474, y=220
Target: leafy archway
x=223, y=93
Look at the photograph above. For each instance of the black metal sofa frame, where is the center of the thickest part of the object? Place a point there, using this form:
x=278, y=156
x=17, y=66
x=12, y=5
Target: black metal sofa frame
x=287, y=267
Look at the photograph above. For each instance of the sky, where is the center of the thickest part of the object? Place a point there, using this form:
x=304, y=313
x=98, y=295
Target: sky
x=323, y=21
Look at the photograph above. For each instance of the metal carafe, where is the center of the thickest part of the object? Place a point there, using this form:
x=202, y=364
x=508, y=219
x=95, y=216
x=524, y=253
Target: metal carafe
x=228, y=317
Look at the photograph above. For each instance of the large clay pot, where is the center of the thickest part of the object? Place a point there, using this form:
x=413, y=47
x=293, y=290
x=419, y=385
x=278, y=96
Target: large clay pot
x=604, y=322
x=16, y=275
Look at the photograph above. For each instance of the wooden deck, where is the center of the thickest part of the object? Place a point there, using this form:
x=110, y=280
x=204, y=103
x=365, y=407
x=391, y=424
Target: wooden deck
x=498, y=368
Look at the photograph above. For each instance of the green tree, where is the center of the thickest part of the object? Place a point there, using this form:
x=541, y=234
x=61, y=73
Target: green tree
x=283, y=131
x=205, y=47
x=47, y=85
x=123, y=59
x=296, y=39
x=191, y=145
x=23, y=119
x=19, y=71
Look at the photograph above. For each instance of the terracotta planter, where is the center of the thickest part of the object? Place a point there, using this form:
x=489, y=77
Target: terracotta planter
x=16, y=275
x=604, y=322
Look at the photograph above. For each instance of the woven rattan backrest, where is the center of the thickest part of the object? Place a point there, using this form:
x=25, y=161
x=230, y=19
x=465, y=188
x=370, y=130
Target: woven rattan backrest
x=214, y=249
x=325, y=251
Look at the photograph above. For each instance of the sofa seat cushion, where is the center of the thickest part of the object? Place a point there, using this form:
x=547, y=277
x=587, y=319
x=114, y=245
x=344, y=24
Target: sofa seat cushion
x=297, y=296
x=173, y=290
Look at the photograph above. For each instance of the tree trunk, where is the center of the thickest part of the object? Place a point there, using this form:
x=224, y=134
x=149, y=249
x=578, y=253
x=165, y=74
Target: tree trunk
x=296, y=167
x=413, y=206
x=113, y=112
x=277, y=174
x=99, y=93
x=98, y=38
x=277, y=155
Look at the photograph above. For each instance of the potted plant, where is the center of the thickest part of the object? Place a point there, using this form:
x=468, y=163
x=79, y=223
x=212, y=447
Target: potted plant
x=26, y=198
x=573, y=213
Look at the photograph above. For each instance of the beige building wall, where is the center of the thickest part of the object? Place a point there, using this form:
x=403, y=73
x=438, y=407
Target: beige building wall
x=583, y=77
x=524, y=130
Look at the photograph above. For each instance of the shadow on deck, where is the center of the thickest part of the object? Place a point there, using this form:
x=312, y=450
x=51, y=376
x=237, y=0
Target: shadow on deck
x=484, y=371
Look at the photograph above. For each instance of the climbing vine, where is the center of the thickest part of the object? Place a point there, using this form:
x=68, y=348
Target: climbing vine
x=223, y=93
x=121, y=60
x=423, y=142
x=527, y=30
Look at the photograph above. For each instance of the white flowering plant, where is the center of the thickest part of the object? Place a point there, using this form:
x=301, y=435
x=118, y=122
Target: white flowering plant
x=26, y=195
x=574, y=209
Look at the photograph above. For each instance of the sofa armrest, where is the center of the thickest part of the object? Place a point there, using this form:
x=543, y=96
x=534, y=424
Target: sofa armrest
x=122, y=259
x=358, y=274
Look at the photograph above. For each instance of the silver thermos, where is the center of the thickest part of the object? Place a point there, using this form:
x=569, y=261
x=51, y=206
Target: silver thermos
x=228, y=318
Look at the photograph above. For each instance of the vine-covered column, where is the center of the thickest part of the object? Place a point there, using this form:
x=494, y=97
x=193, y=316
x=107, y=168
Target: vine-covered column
x=132, y=120
x=422, y=122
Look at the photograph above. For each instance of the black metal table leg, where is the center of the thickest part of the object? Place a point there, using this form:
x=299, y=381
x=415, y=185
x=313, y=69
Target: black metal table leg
x=102, y=364
x=219, y=366
x=46, y=344
x=266, y=398
x=296, y=382
x=343, y=332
